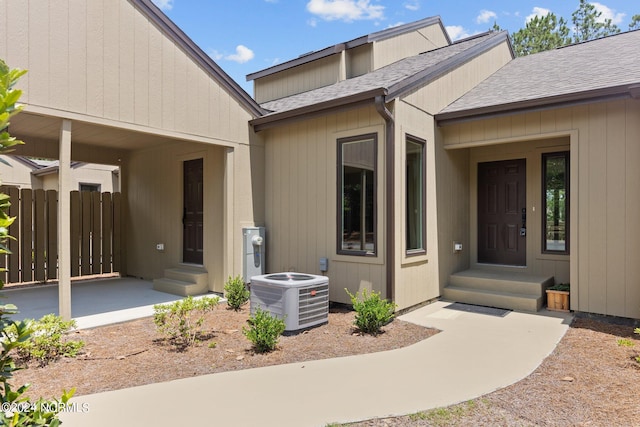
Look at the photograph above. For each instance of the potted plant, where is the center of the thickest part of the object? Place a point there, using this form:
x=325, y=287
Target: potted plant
x=558, y=297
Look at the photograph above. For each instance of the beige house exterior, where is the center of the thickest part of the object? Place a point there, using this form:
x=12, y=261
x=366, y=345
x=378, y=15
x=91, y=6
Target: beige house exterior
x=581, y=99
x=23, y=172
x=390, y=99
x=376, y=154
x=124, y=86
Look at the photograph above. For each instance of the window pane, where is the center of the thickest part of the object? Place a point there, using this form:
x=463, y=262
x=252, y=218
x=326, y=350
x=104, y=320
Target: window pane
x=415, y=195
x=357, y=188
x=556, y=200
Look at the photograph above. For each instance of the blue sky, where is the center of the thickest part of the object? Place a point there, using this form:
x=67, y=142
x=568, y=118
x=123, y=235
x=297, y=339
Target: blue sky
x=244, y=36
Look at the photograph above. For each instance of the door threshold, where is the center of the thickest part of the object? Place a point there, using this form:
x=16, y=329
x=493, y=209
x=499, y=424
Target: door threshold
x=479, y=264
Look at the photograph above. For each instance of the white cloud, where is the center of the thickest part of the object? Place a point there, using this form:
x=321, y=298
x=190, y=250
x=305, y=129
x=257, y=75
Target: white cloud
x=215, y=55
x=486, y=16
x=537, y=11
x=242, y=55
x=164, y=4
x=412, y=5
x=607, y=13
x=345, y=10
x=457, y=32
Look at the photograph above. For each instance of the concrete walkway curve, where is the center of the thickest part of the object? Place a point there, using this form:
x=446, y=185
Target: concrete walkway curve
x=473, y=355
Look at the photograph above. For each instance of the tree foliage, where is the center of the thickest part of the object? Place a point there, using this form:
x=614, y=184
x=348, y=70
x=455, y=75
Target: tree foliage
x=587, y=24
x=541, y=33
x=550, y=31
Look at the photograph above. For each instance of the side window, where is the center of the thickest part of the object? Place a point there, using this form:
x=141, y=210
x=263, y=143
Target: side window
x=555, y=197
x=357, y=204
x=415, y=196
x=90, y=187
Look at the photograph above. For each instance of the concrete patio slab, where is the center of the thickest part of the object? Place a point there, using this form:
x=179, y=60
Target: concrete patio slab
x=93, y=302
x=475, y=353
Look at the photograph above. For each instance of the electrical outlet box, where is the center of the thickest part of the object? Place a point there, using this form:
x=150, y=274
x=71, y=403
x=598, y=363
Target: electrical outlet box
x=457, y=246
x=324, y=264
x=160, y=247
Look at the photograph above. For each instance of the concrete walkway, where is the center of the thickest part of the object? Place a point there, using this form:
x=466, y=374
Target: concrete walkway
x=473, y=355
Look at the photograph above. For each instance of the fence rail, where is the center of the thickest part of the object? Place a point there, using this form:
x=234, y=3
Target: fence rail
x=95, y=234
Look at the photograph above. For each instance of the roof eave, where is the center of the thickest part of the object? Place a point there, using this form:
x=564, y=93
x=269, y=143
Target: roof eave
x=540, y=104
x=197, y=54
x=432, y=73
x=313, y=110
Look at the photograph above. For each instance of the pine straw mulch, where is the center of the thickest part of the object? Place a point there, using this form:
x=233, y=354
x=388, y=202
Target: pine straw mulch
x=588, y=380
x=134, y=353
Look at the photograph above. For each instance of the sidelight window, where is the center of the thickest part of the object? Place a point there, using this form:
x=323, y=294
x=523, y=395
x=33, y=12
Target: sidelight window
x=555, y=185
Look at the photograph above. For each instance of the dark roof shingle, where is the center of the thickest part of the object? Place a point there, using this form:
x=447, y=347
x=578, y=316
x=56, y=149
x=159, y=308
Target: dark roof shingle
x=392, y=77
x=556, y=74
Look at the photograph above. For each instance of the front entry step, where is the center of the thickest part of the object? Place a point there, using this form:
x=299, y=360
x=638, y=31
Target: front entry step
x=497, y=289
x=183, y=281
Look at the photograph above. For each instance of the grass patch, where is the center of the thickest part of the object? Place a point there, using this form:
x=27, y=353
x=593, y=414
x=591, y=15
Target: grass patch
x=449, y=415
x=625, y=342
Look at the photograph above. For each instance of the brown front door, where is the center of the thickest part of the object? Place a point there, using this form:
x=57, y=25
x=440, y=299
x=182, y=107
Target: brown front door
x=502, y=212
x=192, y=218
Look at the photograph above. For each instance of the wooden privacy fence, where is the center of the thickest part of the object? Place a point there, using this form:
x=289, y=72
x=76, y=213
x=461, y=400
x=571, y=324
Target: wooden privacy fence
x=95, y=234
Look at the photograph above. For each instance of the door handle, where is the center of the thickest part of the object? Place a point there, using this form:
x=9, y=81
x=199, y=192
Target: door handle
x=523, y=229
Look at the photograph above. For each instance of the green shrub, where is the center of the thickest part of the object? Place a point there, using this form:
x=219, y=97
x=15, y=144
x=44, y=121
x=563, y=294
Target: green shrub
x=236, y=292
x=182, y=320
x=46, y=343
x=372, y=312
x=264, y=331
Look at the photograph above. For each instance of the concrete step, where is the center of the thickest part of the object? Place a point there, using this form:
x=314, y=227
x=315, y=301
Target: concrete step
x=183, y=281
x=502, y=289
x=511, y=283
x=489, y=298
x=196, y=275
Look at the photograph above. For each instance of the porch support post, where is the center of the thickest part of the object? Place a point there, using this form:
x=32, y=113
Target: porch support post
x=64, y=225
x=228, y=220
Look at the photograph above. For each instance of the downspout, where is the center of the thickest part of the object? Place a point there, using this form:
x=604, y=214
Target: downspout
x=389, y=191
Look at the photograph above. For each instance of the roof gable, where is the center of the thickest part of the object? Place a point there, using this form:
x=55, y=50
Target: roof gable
x=599, y=68
x=395, y=79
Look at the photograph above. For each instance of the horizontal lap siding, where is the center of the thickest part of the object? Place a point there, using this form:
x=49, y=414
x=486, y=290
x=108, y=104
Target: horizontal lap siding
x=605, y=249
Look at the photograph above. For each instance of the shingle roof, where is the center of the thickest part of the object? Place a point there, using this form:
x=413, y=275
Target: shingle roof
x=397, y=77
x=574, y=71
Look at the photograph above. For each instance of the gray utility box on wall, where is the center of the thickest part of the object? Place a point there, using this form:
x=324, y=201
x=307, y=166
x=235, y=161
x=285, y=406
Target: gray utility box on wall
x=302, y=300
x=253, y=250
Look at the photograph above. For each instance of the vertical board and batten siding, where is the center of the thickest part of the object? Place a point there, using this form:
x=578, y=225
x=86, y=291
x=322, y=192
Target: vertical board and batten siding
x=605, y=241
x=359, y=60
x=313, y=75
x=95, y=239
x=416, y=277
x=448, y=170
x=300, y=197
x=393, y=49
x=451, y=86
x=106, y=59
x=155, y=209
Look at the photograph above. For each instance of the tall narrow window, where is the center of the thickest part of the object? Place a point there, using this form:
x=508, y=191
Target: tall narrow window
x=555, y=187
x=415, y=196
x=357, y=195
